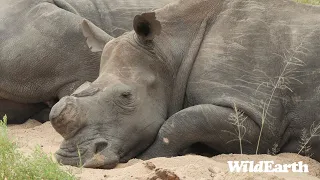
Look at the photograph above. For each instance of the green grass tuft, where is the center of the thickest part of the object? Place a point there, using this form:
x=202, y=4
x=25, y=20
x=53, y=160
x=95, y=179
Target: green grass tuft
x=315, y=2
x=16, y=166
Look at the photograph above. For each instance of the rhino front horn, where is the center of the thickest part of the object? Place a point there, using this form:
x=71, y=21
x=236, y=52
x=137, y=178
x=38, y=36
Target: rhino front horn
x=64, y=117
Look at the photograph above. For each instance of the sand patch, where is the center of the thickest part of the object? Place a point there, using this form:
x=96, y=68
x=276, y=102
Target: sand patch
x=190, y=167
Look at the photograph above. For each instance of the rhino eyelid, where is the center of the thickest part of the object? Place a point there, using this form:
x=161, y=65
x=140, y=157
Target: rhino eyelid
x=126, y=94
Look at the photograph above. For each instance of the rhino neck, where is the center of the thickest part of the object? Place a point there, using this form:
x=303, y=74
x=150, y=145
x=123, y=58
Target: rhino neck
x=102, y=13
x=184, y=25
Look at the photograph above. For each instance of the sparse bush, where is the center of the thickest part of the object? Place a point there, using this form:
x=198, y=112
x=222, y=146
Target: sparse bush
x=16, y=166
x=237, y=119
x=306, y=137
x=274, y=150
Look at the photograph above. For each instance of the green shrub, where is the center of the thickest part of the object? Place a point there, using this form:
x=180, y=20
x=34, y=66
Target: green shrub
x=16, y=166
x=316, y=2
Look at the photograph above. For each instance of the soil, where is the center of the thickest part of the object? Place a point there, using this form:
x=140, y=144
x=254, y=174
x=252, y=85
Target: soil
x=33, y=133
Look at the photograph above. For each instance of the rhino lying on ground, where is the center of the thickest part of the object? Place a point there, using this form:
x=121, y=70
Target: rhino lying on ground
x=240, y=76
x=43, y=54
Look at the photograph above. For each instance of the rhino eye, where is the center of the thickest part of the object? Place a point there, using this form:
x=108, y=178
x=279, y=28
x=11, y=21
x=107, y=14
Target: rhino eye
x=123, y=93
x=126, y=94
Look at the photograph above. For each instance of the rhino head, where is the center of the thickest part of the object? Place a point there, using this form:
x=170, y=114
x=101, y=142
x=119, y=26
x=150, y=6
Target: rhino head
x=117, y=116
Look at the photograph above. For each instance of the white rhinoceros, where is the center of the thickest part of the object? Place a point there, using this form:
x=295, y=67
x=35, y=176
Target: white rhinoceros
x=43, y=54
x=240, y=76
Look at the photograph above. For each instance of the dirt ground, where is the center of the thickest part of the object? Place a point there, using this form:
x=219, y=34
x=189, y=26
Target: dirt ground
x=188, y=167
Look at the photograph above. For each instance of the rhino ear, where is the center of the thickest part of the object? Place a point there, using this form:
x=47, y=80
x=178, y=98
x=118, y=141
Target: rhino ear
x=146, y=26
x=96, y=37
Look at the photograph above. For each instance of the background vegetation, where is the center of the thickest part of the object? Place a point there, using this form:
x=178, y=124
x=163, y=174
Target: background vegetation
x=317, y=2
x=16, y=166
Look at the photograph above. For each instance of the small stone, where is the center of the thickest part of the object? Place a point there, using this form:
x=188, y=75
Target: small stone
x=211, y=170
x=166, y=174
x=149, y=165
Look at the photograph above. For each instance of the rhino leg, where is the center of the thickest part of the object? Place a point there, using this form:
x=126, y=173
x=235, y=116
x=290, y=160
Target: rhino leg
x=18, y=113
x=207, y=124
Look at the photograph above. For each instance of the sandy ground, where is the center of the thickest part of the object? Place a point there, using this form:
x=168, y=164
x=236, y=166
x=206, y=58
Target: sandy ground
x=32, y=134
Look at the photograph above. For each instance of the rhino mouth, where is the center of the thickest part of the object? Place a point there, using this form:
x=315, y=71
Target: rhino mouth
x=94, y=154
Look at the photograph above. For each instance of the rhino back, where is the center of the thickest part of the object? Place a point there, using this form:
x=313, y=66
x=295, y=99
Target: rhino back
x=114, y=17
x=248, y=47
x=42, y=49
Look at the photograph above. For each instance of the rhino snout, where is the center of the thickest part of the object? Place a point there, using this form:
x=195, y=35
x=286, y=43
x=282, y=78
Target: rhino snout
x=94, y=155
x=105, y=159
x=65, y=118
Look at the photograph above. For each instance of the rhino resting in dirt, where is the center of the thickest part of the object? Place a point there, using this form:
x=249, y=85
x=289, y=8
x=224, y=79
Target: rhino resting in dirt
x=44, y=55
x=239, y=76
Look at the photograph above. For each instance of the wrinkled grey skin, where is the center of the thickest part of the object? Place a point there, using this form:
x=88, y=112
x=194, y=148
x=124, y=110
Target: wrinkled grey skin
x=178, y=88
x=43, y=53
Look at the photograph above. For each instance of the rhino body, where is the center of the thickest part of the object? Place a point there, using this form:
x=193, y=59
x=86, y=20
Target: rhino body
x=213, y=72
x=43, y=54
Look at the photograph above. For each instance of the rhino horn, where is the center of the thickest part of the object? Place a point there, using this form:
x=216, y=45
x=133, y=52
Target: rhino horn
x=64, y=117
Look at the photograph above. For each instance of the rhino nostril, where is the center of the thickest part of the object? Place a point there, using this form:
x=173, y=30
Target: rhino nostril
x=100, y=146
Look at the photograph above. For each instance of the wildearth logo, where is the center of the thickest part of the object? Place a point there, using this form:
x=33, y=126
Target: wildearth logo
x=266, y=166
